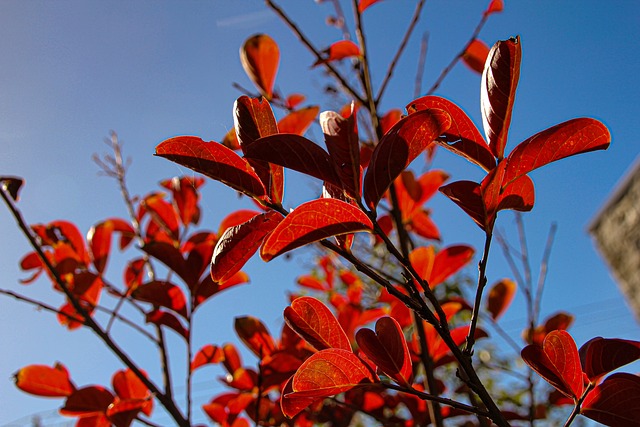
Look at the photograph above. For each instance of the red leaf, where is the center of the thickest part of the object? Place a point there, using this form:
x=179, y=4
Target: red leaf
x=388, y=349
x=128, y=386
x=314, y=322
x=213, y=160
x=558, y=362
x=422, y=225
x=294, y=152
x=330, y=372
x=121, y=413
x=500, y=297
x=230, y=140
x=297, y=122
x=313, y=221
x=99, y=240
x=436, y=268
x=341, y=138
x=615, y=402
x=468, y=196
x=294, y=100
x=260, y=57
x=163, y=294
x=339, y=50
x=475, y=55
x=390, y=119
x=163, y=215
x=207, y=287
x=498, y=91
x=236, y=218
x=563, y=140
x=255, y=335
x=86, y=401
x=164, y=318
x=186, y=197
x=69, y=317
x=463, y=137
x=364, y=4
x=399, y=147
x=239, y=243
x=494, y=7
x=292, y=404
x=42, y=380
x=171, y=256
x=599, y=356
x=206, y=355
x=559, y=321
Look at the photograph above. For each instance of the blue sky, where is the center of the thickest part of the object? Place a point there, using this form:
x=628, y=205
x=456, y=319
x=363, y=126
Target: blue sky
x=74, y=70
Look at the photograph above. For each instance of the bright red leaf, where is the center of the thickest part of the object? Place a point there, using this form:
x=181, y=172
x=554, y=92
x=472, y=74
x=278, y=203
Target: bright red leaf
x=615, y=402
x=239, y=243
x=128, y=386
x=208, y=288
x=499, y=298
x=475, y=55
x=42, y=380
x=494, y=7
x=364, y=4
x=186, y=197
x=599, y=356
x=558, y=362
x=399, y=147
x=213, y=160
x=294, y=100
x=207, y=355
x=314, y=322
x=297, y=122
x=388, y=349
x=339, y=50
x=260, y=57
x=99, y=240
x=435, y=268
x=255, y=335
x=313, y=221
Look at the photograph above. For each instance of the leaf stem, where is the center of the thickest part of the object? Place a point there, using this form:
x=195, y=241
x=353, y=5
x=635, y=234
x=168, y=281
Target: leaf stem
x=482, y=282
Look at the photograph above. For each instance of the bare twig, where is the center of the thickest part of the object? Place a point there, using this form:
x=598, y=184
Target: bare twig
x=482, y=282
x=422, y=60
x=544, y=267
x=443, y=400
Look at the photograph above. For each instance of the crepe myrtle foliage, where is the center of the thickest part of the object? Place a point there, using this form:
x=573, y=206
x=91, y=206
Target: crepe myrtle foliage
x=377, y=332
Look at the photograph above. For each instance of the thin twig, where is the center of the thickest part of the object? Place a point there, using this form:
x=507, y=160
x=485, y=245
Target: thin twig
x=544, y=267
x=443, y=400
x=422, y=60
x=482, y=282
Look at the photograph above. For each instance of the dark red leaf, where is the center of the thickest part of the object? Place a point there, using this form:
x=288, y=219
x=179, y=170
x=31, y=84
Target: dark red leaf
x=255, y=335
x=171, y=256
x=462, y=137
x=615, y=402
x=499, y=298
x=599, y=356
x=12, y=185
x=341, y=138
x=388, y=349
x=468, y=196
x=260, y=57
x=558, y=362
x=163, y=294
x=498, y=91
x=239, y=243
x=207, y=287
x=297, y=122
x=313, y=221
x=475, y=55
x=314, y=322
x=121, y=413
x=207, y=355
x=164, y=318
x=86, y=401
x=399, y=147
x=563, y=140
x=42, y=380
x=213, y=160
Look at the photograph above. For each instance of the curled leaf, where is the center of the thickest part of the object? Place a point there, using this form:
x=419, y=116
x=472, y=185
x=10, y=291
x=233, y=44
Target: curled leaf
x=42, y=380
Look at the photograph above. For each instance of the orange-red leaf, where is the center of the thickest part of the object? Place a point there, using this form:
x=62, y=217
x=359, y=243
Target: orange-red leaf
x=494, y=7
x=42, y=380
x=163, y=294
x=298, y=121
x=399, y=147
x=207, y=355
x=294, y=100
x=475, y=55
x=498, y=91
x=436, y=268
x=500, y=297
x=236, y=218
x=339, y=50
x=128, y=386
x=239, y=243
x=292, y=404
x=314, y=322
x=260, y=57
x=330, y=372
x=615, y=402
x=255, y=335
x=599, y=356
x=364, y=4
x=213, y=160
x=99, y=240
x=558, y=362
x=388, y=349
x=313, y=221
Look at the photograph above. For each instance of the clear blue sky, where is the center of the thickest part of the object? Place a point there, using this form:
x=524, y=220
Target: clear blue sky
x=73, y=70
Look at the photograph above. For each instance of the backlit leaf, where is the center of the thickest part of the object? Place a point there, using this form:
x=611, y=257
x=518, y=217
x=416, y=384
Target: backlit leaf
x=475, y=55
x=399, y=147
x=330, y=372
x=499, y=298
x=599, y=356
x=341, y=138
x=294, y=100
x=339, y=50
x=99, y=240
x=236, y=218
x=239, y=243
x=42, y=380
x=128, y=386
x=163, y=294
x=208, y=288
x=494, y=7
x=498, y=91
x=435, y=268
x=213, y=160
x=164, y=318
x=558, y=362
x=615, y=402
x=209, y=354
x=314, y=322
x=298, y=121
x=260, y=57
x=388, y=349
x=364, y=4
x=86, y=401
x=186, y=197
x=313, y=221
x=292, y=404
x=468, y=196
x=255, y=335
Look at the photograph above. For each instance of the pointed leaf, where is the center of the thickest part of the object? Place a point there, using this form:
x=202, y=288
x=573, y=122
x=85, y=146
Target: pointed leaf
x=294, y=100
x=558, y=362
x=186, y=197
x=475, y=55
x=236, y=218
x=255, y=335
x=563, y=140
x=313, y=221
x=208, y=288
x=364, y=4
x=615, y=402
x=387, y=348
x=314, y=322
x=239, y=243
x=494, y=7
x=399, y=147
x=164, y=318
x=260, y=57
x=341, y=138
x=463, y=137
x=294, y=152
x=42, y=380
x=213, y=160
x=449, y=261
x=207, y=355
x=85, y=401
x=128, y=386
x=468, y=196
x=99, y=240
x=599, y=356
x=339, y=50
x=498, y=91
x=330, y=372
x=500, y=297
x=163, y=294
x=297, y=122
